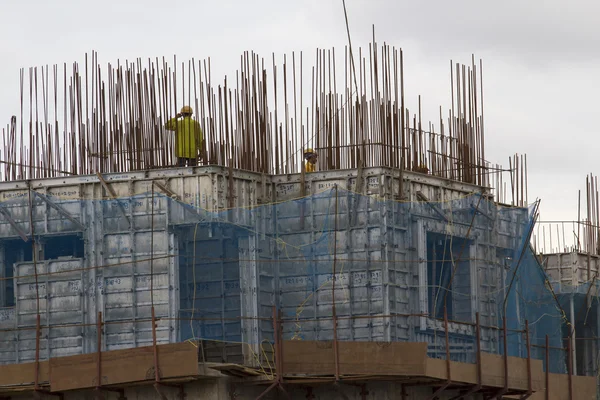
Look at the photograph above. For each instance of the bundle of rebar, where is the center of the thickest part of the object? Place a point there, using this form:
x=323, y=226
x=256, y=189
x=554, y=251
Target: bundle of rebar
x=588, y=230
x=113, y=119
x=581, y=235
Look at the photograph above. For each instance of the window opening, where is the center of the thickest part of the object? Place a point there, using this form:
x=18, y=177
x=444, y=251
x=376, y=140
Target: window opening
x=442, y=258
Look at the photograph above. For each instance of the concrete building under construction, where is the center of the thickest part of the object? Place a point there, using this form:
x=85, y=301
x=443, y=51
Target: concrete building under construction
x=401, y=268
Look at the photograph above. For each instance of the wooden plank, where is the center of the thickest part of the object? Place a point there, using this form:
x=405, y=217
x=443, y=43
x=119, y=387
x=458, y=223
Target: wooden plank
x=493, y=372
x=459, y=372
x=373, y=358
x=403, y=359
x=123, y=366
x=23, y=374
x=585, y=388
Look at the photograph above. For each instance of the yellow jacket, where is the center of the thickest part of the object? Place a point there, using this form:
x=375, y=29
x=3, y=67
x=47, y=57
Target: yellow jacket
x=310, y=167
x=188, y=136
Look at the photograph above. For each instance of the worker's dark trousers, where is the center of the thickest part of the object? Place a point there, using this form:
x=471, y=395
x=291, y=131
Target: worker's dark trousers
x=186, y=162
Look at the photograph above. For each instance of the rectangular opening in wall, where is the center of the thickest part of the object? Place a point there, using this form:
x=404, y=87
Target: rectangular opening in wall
x=62, y=246
x=15, y=251
x=448, y=276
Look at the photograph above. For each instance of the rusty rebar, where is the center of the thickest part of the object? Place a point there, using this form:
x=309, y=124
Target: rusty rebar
x=114, y=118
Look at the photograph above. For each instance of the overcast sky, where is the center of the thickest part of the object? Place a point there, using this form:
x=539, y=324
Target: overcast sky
x=541, y=59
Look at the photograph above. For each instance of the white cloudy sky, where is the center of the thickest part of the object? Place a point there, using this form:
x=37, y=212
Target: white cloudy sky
x=541, y=59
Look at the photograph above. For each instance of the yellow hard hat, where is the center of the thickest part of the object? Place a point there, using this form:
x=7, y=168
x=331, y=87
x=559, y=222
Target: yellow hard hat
x=308, y=152
x=186, y=110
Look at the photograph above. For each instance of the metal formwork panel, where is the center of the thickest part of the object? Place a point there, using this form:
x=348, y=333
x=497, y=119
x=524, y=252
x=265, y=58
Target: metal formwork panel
x=509, y=227
x=283, y=257
x=462, y=347
x=59, y=295
x=8, y=350
x=306, y=279
x=15, y=207
x=400, y=285
x=570, y=270
x=135, y=277
x=69, y=199
x=211, y=260
x=44, y=214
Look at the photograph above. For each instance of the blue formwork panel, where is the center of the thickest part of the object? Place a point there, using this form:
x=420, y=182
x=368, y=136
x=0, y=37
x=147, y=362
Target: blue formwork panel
x=210, y=284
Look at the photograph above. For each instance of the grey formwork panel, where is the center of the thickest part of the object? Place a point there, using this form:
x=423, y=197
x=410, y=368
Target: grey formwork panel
x=8, y=342
x=138, y=266
x=117, y=238
x=367, y=229
x=377, y=271
x=571, y=270
x=44, y=217
x=61, y=308
x=388, y=236
x=462, y=346
x=210, y=291
x=133, y=283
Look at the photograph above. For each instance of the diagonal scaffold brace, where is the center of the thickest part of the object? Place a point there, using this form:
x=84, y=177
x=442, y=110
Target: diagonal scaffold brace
x=278, y=379
x=158, y=383
x=100, y=389
x=448, y=381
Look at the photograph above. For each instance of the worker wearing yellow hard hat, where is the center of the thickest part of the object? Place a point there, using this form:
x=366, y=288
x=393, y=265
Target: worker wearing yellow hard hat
x=189, y=139
x=311, y=160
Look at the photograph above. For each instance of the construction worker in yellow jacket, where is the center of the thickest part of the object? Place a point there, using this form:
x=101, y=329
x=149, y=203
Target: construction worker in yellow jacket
x=311, y=160
x=189, y=139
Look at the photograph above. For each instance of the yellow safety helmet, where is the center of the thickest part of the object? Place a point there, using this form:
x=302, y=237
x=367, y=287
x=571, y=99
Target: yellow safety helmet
x=186, y=110
x=308, y=152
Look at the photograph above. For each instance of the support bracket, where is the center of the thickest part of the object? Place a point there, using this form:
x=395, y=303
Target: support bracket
x=504, y=390
x=278, y=382
x=448, y=364
x=439, y=391
x=59, y=209
x=477, y=210
x=463, y=395
x=101, y=390
x=13, y=223
x=113, y=195
x=159, y=386
x=159, y=389
x=476, y=388
x=166, y=190
x=435, y=208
